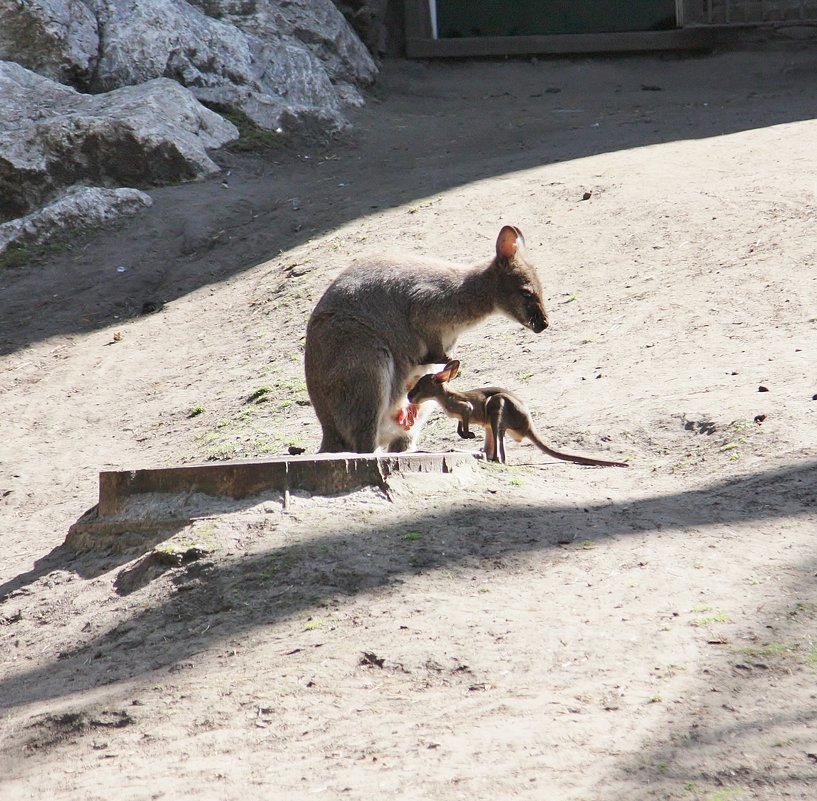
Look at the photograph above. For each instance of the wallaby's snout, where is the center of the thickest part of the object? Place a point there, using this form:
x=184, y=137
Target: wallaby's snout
x=538, y=319
x=522, y=300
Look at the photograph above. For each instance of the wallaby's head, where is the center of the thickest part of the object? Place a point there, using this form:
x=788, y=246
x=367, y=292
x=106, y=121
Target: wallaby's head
x=432, y=385
x=519, y=293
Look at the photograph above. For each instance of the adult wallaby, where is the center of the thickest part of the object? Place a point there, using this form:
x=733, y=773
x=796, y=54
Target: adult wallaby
x=497, y=410
x=383, y=323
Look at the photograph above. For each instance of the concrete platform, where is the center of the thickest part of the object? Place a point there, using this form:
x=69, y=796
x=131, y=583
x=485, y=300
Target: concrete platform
x=128, y=508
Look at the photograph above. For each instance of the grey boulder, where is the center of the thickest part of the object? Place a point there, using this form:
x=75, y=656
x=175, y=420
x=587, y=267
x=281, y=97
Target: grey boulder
x=83, y=207
x=56, y=38
x=52, y=138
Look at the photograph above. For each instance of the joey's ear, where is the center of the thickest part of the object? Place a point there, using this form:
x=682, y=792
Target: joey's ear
x=450, y=371
x=509, y=242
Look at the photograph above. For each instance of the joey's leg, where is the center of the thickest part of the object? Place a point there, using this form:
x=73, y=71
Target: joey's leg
x=495, y=410
x=490, y=444
x=500, y=438
x=462, y=427
x=464, y=410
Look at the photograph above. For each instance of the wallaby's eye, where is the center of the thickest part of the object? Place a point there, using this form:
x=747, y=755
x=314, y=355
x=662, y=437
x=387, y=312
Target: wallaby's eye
x=527, y=294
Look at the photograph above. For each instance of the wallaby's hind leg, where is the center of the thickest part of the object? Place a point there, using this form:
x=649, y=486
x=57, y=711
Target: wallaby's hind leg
x=332, y=442
x=494, y=444
x=343, y=434
x=368, y=393
x=350, y=395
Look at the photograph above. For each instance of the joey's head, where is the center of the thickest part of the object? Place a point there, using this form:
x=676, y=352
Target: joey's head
x=432, y=386
x=518, y=292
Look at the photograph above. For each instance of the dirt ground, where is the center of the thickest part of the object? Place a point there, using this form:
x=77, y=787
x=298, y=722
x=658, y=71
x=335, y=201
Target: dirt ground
x=538, y=631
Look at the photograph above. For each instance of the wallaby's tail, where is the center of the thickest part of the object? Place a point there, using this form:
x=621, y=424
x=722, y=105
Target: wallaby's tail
x=570, y=457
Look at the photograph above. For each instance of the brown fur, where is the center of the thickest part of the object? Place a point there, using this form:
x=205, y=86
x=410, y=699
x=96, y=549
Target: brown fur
x=497, y=410
x=382, y=324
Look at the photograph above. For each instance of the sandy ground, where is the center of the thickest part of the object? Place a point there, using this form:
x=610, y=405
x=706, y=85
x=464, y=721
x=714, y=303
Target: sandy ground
x=539, y=631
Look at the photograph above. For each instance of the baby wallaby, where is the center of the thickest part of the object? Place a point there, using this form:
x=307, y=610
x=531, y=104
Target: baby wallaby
x=497, y=410
x=383, y=323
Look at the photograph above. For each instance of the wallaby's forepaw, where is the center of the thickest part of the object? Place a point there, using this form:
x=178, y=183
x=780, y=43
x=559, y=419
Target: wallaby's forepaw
x=466, y=434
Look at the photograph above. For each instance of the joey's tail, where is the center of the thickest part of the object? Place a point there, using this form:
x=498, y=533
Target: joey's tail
x=571, y=457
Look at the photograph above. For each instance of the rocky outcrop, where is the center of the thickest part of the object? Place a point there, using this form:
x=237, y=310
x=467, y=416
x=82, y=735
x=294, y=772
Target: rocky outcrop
x=316, y=24
x=280, y=62
x=55, y=38
x=53, y=138
x=78, y=209
x=104, y=92
x=370, y=21
x=273, y=79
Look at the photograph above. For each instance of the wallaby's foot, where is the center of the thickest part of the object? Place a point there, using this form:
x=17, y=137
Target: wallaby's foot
x=400, y=444
x=332, y=442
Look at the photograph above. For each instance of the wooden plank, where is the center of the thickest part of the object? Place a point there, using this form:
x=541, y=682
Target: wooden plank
x=561, y=44
x=140, y=506
x=322, y=473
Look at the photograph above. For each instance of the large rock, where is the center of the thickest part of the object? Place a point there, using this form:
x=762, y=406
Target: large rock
x=52, y=137
x=316, y=23
x=369, y=19
x=170, y=39
x=286, y=64
x=80, y=208
x=283, y=64
x=56, y=38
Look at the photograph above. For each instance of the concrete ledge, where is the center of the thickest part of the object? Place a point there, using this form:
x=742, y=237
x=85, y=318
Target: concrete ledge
x=119, y=512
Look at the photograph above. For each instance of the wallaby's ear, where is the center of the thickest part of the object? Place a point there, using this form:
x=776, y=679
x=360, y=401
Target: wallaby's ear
x=450, y=371
x=509, y=242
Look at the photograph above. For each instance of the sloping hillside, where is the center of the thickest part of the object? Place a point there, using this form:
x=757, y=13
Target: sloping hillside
x=536, y=631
